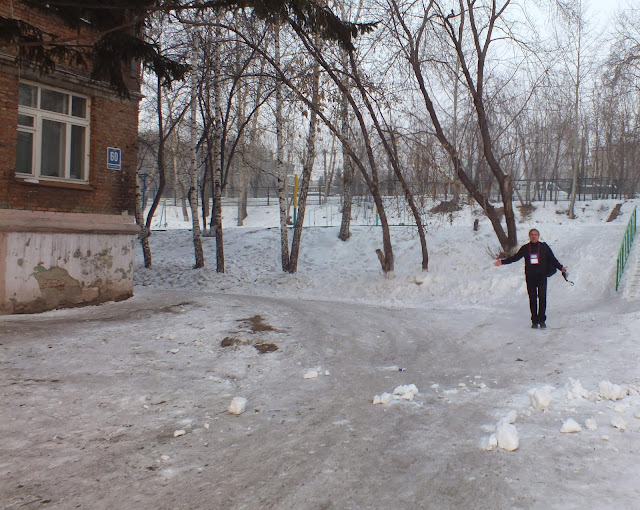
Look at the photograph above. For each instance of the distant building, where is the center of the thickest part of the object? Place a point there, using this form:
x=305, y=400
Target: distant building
x=67, y=182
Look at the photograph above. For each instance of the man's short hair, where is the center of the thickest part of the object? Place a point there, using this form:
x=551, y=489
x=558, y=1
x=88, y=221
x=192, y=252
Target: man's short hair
x=534, y=230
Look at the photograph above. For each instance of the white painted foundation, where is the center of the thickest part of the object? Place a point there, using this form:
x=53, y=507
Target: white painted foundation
x=54, y=260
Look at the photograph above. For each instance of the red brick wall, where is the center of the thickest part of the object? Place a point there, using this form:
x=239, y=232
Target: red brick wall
x=49, y=23
x=8, y=136
x=114, y=123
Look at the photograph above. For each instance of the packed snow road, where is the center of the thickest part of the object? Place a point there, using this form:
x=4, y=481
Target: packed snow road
x=125, y=406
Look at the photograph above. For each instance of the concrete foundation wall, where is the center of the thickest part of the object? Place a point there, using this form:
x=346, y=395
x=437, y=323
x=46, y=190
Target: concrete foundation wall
x=64, y=260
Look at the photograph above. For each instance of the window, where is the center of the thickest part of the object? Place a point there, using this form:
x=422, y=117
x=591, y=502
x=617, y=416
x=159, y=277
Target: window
x=53, y=134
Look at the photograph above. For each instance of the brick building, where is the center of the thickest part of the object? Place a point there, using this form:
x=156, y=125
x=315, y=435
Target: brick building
x=67, y=182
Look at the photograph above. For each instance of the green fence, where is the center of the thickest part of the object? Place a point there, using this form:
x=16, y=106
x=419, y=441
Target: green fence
x=625, y=248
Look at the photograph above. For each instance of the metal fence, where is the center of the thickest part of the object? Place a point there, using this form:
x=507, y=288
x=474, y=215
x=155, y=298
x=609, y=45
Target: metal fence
x=625, y=247
x=529, y=190
x=525, y=190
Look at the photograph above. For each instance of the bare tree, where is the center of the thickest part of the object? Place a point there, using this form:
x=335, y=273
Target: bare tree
x=477, y=22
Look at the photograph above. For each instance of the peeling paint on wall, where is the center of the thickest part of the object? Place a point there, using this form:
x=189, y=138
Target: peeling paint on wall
x=58, y=288
x=46, y=271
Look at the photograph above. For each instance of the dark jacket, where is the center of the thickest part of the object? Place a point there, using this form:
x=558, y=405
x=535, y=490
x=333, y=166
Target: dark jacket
x=546, y=259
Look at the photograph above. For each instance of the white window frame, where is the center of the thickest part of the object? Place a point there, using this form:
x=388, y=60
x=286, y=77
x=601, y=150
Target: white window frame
x=39, y=115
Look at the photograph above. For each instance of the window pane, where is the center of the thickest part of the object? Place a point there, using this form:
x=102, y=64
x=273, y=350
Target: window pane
x=78, y=107
x=28, y=95
x=53, y=148
x=77, y=152
x=53, y=101
x=24, y=155
x=25, y=120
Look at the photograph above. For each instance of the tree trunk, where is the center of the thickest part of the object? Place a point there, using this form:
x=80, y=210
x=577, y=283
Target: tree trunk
x=282, y=176
x=197, y=238
x=347, y=173
x=146, y=248
x=307, y=169
x=144, y=232
x=392, y=154
x=217, y=155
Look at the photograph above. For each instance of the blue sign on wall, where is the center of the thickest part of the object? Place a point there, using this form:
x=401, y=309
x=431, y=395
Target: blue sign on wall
x=114, y=158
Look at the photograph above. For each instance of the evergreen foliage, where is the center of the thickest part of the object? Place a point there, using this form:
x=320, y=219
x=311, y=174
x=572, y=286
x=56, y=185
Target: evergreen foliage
x=119, y=27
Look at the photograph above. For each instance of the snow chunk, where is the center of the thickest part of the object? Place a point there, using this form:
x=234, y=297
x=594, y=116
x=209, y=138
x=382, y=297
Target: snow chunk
x=511, y=417
x=541, y=398
x=637, y=413
x=573, y=390
x=179, y=433
x=507, y=436
x=310, y=374
x=570, y=425
x=238, y=405
x=610, y=391
x=385, y=398
x=591, y=424
x=405, y=392
x=489, y=442
x=618, y=422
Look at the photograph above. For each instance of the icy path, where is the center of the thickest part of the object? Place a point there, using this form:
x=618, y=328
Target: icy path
x=93, y=397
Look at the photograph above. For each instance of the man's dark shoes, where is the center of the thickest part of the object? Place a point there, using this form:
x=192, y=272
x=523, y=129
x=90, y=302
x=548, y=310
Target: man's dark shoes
x=534, y=325
x=543, y=325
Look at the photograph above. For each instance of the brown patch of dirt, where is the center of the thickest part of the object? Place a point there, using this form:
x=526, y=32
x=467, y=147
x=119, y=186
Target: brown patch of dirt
x=265, y=347
x=257, y=323
x=447, y=207
x=614, y=213
x=230, y=341
x=526, y=210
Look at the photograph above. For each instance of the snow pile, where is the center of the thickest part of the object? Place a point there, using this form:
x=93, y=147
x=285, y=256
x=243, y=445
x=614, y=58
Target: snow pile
x=570, y=425
x=591, y=424
x=237, y=406
x=541, y=398
x=403, y=392
x=313, y=373
x=610, y=391
x=573, y=390
x=506, y=435
x=385, y=398
x=452, y=278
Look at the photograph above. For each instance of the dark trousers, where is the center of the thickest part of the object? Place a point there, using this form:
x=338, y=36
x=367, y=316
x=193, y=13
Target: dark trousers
x=537, y=289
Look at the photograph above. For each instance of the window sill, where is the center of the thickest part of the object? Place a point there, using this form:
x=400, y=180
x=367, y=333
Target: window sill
x=32, y=181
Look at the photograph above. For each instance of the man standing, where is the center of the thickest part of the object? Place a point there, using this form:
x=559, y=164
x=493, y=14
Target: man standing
x=539, y=263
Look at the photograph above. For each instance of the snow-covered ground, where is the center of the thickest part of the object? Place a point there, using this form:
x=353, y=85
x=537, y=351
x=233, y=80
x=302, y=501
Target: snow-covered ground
x=128, y=405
